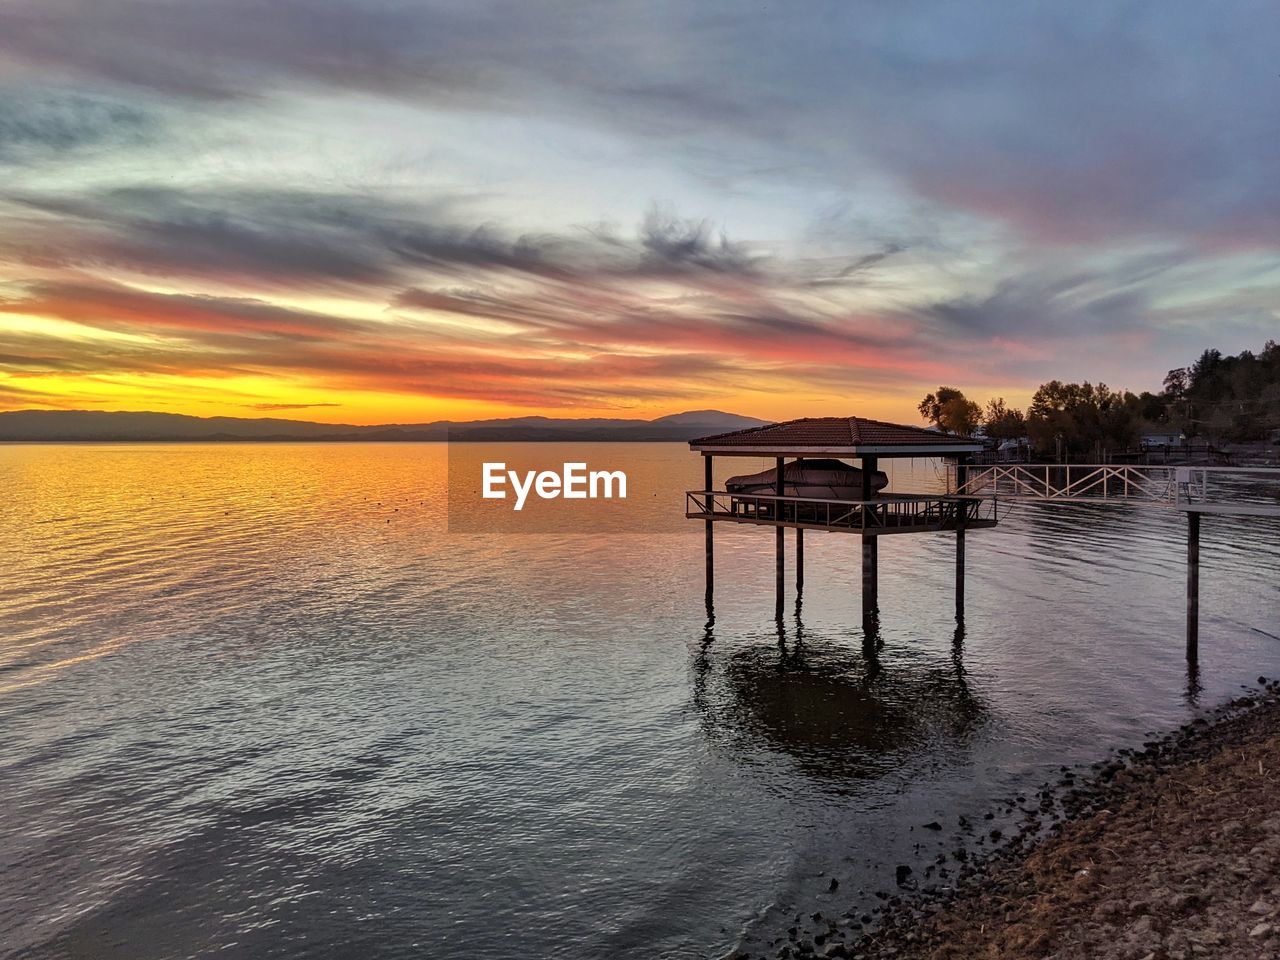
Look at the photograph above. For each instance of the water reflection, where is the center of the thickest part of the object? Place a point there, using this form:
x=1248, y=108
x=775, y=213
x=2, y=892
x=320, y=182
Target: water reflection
x=832, y=706
x=1194, y=687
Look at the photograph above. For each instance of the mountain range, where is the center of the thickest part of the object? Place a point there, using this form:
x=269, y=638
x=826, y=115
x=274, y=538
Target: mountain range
x=96, y=425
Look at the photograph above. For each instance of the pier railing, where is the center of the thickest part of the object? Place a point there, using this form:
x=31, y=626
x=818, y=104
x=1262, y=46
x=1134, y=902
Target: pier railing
x=1043, y=481
x=888, y=514
x=1246, y=490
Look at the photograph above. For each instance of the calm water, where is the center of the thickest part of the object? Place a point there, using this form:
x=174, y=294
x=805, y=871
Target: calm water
x=257, y=703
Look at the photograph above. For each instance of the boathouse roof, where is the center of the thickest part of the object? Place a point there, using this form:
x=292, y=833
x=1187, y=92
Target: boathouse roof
x=838, y=436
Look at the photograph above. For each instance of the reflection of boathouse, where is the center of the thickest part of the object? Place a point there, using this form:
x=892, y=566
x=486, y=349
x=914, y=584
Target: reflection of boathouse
x=817, y=490
x=830, y=708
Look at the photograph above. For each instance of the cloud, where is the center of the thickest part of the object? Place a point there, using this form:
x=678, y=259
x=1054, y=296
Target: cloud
x=120, y=309
x=673, y=243
x=36, y=126
x=1069, y=125
x=912, y=189
x=287, y=238
x=289, y=406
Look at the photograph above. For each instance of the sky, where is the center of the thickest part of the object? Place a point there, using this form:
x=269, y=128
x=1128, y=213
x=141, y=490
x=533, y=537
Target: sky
x=371, y=211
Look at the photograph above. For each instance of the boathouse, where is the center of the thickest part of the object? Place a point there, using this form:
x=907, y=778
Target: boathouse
x=848, y=499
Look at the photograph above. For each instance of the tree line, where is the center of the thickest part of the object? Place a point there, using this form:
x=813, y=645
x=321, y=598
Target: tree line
x=1217, y=398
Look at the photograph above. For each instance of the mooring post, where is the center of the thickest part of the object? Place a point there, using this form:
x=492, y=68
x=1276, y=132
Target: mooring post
x=708, y=505
x=870, y=548
x=780, y=587
x=1193, y=586
x=962, y=477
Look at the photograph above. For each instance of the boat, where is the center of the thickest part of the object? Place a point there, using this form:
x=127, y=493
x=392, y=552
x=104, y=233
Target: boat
x=819, y=479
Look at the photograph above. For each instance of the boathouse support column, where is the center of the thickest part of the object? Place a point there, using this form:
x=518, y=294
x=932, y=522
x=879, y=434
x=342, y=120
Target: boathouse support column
x=708, y=504
x=799, y=547
x=780, y=541
x=870, y=549
x=799, y=559
x=1193, y=586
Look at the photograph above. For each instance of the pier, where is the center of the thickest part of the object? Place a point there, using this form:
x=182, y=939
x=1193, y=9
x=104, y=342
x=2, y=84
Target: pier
x=853, y=503
x=1196, y=491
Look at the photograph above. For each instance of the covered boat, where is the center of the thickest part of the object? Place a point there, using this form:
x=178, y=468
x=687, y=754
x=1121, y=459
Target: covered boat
x=820, y=479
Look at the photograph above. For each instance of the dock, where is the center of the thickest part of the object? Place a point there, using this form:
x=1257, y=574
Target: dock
x=972, y=501
x=870, y=515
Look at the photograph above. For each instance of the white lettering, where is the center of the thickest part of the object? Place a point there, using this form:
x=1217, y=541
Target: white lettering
x=575, y=481
x=609, y=477
x=522, y=491
x=548, y=485
x=494, y=474
x=572, y=483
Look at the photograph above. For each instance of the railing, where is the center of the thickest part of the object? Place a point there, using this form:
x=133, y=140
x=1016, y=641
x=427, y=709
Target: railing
x=1218, y=488
x=888, y=514
x=1023, y=481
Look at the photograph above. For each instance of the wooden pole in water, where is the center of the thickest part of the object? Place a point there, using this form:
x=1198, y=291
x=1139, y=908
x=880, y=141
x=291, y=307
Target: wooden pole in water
x=708, y=503
x=799, y=559
x=870, y=547
x=799, y=549
x=780, y=587
x=1193, y=586
x=962, y=477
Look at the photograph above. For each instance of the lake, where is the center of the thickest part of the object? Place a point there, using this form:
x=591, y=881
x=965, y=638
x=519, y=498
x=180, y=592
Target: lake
x=259, y=702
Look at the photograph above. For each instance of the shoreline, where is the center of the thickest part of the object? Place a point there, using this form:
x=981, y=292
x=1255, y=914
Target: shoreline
x=1168, y=852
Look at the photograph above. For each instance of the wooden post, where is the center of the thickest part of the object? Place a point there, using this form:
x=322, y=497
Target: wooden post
x=799, y=559
x=780, y=587
x=870, y=548
x=799, y=550
x=962, y=477
x=1193, y=586
x=709, y=503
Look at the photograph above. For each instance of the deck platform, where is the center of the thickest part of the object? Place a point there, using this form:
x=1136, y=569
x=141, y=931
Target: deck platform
x=879, y=516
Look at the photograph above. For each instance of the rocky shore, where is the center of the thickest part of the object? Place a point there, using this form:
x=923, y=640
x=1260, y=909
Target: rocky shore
x=1167, y=853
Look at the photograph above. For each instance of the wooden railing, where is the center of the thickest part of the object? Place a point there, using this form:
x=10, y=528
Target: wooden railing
x=1207, y=489
x=889, y=514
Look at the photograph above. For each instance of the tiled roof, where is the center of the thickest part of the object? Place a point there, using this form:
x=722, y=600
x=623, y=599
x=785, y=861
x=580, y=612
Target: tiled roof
x=832, y=432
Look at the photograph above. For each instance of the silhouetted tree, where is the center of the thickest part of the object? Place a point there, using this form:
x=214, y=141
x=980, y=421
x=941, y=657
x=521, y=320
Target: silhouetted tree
x=951, y=410
x=1078, y=420
x=1176, y=381
x=1002, y=422
x=1227, y=397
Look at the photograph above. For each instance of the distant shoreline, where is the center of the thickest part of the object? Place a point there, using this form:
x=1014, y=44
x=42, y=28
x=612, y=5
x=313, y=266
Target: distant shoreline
x=97, y=426
x=276, y=440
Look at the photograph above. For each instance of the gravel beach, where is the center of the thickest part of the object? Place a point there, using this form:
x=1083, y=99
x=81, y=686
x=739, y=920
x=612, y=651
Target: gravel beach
x=1170, y=852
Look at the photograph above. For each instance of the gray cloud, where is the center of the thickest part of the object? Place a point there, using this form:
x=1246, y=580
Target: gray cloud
x=1070, y=124
x=36, y=127
x=288, y=238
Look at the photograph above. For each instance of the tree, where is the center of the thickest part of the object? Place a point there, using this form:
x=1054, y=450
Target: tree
x=1204, y=369
x=1154, y=407
x=951, y=410
x=1234, y=398
x=1002, y=422
x=1176, y=382
x=1082, y=420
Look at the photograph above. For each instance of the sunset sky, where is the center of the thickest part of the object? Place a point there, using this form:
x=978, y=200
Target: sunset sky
x=373, y=211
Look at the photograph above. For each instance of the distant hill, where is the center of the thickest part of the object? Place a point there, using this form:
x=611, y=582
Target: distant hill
x=95, y=425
